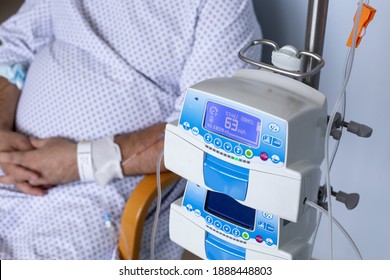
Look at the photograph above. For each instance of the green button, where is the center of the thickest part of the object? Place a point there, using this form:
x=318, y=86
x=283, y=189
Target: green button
x=248, y=153
x=245, y=235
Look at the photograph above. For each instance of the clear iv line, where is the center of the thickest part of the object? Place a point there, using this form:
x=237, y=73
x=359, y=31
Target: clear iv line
x=337, y=223
x=342, y=94
x=158, y=205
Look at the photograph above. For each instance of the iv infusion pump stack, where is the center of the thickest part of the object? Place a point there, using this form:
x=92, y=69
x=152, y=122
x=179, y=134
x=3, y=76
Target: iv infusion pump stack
x=250, y=147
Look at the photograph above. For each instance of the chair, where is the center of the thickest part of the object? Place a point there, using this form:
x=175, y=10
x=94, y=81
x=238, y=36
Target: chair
x=135, y=212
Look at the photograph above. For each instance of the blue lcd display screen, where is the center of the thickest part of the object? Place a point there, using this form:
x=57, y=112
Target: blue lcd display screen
x=232, y=123
x=227, y=208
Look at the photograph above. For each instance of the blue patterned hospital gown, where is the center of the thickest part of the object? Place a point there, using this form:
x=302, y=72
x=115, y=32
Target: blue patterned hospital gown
x=98, y=68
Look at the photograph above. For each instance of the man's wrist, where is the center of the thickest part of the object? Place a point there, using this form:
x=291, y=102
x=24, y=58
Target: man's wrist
x=99, y=161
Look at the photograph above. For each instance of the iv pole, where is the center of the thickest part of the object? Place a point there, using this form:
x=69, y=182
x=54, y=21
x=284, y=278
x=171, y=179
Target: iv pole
x=315, y=34
x=312, y=60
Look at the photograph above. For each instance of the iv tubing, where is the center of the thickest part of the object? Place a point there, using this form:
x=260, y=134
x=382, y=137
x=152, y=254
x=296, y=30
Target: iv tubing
x=329, y=127
x=323, y=211
x=314, y=235
x=112, y=229
x=124, y=237
x=343, y=111
x=158, y=205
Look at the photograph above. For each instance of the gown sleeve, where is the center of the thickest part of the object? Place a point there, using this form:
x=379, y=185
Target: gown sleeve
x=25, y=33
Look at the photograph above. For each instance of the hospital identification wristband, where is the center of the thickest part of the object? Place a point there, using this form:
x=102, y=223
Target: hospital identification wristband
x=84, y=161
x=99, y=161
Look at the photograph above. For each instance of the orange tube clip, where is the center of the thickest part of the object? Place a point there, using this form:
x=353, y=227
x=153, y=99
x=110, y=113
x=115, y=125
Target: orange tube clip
x=367, y=15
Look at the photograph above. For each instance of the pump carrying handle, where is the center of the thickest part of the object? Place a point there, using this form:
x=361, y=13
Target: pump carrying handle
x=293, y=74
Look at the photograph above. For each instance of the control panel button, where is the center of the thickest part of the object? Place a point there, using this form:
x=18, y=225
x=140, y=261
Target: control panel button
x=209, y=220
x=226, y=229
x=276, y=142
x=261, y=224
x=217, y=224
x=273, y=127
x=197, y=212
x=267, y=216
x=245, y=235
x=186, y=125
x=275, y=159
x=208, y=138
x=264, y=156
x=267, y=139
x=269, y=241
x=218, y=142
x=227, y=147
x=195, y=130
x=189, y=207
x=270, y=228
x=272, y=141
x=238, y=150
x=259, y=238
x=236, y=232
x=249, y=153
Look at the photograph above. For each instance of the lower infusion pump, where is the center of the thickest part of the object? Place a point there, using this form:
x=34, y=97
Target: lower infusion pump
x=250, y=147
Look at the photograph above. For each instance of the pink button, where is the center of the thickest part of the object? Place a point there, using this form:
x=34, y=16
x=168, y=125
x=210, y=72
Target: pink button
x=264, y=156
x=259, y=238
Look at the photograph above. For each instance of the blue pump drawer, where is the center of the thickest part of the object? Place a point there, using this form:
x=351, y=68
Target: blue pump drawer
x=225, y=177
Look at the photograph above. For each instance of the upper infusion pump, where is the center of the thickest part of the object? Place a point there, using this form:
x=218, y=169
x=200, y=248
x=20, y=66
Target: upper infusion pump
x=250, y=147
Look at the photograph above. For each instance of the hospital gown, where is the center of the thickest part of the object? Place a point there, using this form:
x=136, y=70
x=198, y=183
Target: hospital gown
x=98, y=68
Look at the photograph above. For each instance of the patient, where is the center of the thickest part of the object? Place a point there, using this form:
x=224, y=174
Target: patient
x=96, y=71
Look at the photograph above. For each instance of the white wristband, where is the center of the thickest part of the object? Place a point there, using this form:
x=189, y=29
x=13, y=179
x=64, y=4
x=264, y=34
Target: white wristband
x=99, y=161
x=84, y=161
x=106, y=158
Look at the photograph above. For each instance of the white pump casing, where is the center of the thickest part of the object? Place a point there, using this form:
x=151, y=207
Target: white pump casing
x=299, y=112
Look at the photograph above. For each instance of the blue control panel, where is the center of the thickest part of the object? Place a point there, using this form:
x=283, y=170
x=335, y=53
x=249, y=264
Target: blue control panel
x=226, y=216
x=240, y=133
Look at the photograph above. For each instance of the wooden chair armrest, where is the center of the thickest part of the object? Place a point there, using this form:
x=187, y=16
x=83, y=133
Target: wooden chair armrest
x=135, y=211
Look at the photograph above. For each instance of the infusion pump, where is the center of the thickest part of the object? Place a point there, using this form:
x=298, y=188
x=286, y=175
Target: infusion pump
x=250, y=147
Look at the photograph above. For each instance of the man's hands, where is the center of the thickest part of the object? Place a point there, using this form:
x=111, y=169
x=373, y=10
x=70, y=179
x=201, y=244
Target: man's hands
x=34, y=165
x=31, y=165
x=14, y=174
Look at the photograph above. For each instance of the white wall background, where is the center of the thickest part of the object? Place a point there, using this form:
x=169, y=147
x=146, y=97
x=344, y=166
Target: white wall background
x=362, y=165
